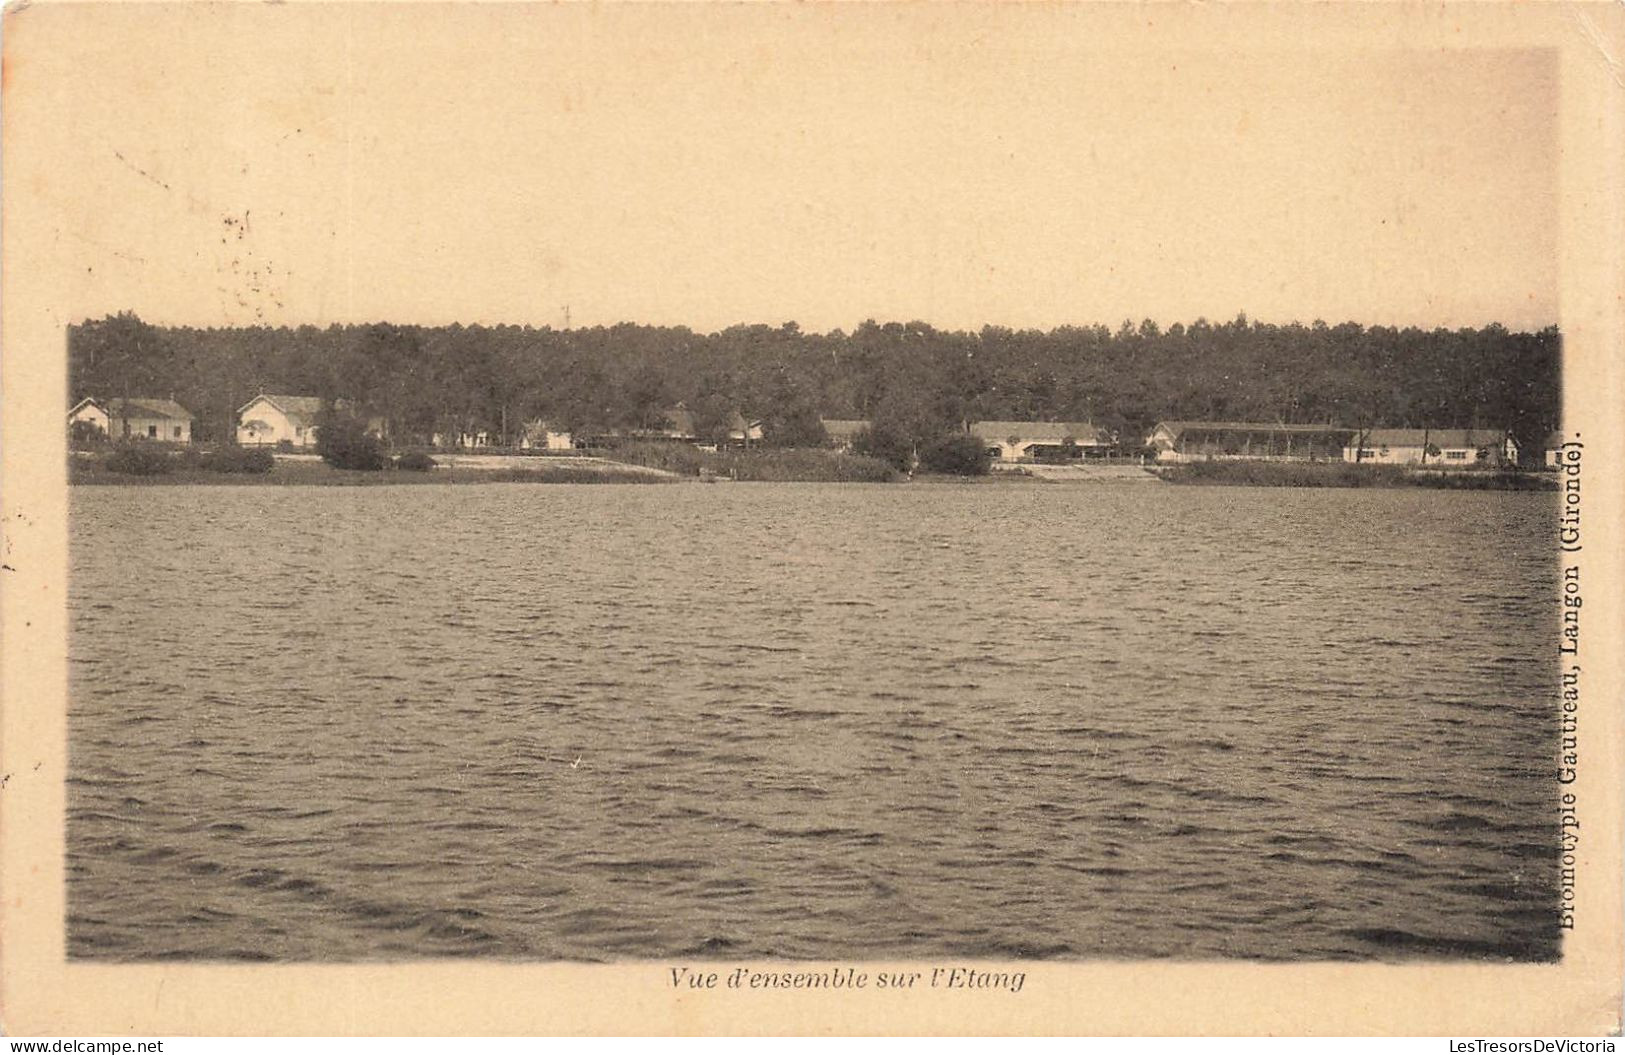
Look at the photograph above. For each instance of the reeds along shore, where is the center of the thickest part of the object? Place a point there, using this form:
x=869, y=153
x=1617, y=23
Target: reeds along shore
x=1240, y=473
x=94, y=470
x=782, y=465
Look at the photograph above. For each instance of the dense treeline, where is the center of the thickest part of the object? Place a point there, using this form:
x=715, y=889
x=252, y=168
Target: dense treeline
x=452, y=379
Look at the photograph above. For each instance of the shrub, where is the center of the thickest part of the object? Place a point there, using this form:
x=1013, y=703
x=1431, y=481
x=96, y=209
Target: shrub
x=957, y=454
x=343, y=443
x=239, y=460
x=138, y=459
x=415, y=462
x=86, y=436
x=680, y=458
x=890, y=445
x=797, y=428
x=284, y=445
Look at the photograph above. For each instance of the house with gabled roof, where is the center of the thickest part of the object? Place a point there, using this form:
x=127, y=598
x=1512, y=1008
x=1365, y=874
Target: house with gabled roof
x=136, y=418
x=91, y=412
x=272, y=419
x=1014, y=441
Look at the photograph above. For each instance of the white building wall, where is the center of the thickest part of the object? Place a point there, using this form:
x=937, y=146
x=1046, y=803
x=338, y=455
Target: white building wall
x=280, y=427
x=1022, y=448
x=167, y=430
x=92, y=413
x=1407, y=455
x=547, y=441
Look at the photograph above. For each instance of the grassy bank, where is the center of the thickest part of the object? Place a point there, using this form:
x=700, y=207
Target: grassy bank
x=1346, y=474
x=790, y=465
x=289, y=473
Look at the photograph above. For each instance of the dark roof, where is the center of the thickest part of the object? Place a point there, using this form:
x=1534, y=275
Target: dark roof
x=681, y=420
x=1177, y=427
x=303, y=408
x=147, y=408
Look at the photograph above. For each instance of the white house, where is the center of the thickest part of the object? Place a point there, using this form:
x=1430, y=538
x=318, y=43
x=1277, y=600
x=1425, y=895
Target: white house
x=136, y=419
x=269, y=419
x=1012, y=441
x=92, y=413
x=1445, y=448
x=1552, y=454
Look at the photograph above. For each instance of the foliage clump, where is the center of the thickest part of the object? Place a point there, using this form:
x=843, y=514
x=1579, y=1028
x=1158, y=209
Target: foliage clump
x=86, y=436
x=344, y=443
x=956, y=454
x=887, y=443
x=139, y=459
x=253, y=460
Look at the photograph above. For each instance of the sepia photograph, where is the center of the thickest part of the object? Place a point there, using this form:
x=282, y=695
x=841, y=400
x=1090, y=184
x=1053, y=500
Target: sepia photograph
x=811, y=498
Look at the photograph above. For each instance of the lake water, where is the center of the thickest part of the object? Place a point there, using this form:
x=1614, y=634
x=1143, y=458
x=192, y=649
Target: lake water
x=901, y=722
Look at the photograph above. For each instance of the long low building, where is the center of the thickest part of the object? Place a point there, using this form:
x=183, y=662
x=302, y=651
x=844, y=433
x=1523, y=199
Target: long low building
x=1445, y=448
x=1197, y=441
x=1014, y=441
x=135, y=419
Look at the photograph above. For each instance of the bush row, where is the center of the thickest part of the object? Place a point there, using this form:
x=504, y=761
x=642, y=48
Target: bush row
x=145, y=459
x=953, y=453
x=785, y=465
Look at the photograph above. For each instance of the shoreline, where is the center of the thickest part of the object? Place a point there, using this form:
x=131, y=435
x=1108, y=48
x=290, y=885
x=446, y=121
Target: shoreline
x=464, y=469
x=1242, y=473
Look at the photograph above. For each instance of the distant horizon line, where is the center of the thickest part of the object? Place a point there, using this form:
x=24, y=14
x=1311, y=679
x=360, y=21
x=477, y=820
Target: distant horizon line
x=1113, y=329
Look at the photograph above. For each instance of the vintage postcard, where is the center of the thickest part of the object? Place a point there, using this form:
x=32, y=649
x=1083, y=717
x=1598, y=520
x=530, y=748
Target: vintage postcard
x=818, y=518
